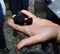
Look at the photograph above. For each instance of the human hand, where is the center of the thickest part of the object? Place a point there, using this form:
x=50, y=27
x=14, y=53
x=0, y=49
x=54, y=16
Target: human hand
x=11, y=23
x=40, y=31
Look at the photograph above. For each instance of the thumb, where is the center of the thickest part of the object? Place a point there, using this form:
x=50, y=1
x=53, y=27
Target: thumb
x=23, y=43
x=27, y=41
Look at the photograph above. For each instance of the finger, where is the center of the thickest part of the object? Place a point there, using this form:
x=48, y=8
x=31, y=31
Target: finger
x=30, y=15
x=13, y=15
x=23, y=43
x=27, y=42
x=9, y=21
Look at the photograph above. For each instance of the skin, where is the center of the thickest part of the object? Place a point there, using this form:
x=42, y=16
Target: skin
x=40, y=31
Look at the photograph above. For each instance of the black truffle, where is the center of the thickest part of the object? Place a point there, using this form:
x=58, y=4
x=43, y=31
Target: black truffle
x=20, y=19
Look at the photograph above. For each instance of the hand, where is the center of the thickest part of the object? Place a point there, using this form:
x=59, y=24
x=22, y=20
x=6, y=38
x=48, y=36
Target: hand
x=11, y=23
x=41, y=30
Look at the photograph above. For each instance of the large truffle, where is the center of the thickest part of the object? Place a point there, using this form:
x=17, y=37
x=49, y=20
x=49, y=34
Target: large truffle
x=20, y=19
